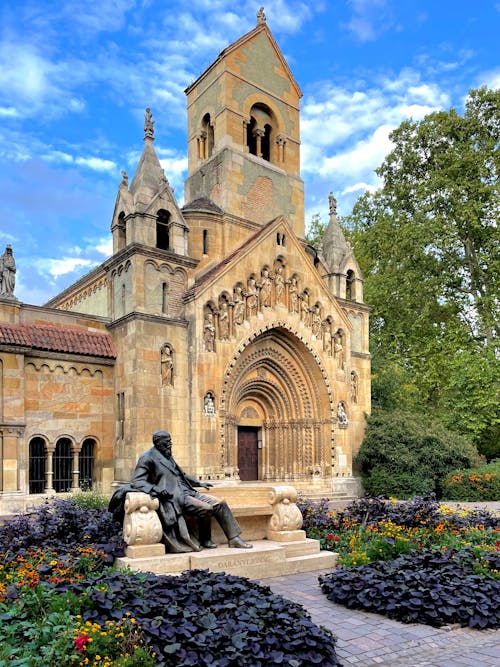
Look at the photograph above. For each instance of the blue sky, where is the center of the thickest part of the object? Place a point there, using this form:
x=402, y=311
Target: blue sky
x=75, y=79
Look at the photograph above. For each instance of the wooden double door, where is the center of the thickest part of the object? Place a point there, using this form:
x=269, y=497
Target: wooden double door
x=248, y=453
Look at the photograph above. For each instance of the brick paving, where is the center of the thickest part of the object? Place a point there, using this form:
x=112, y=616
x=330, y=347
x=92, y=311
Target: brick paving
x=370, y=640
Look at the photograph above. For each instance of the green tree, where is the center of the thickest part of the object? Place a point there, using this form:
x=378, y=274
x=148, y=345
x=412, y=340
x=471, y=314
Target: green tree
x=429, y=246
x=405, y=454
x=315, y=231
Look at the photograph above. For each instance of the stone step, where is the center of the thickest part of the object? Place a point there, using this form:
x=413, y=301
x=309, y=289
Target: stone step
x=265, y=559
x=322, y=560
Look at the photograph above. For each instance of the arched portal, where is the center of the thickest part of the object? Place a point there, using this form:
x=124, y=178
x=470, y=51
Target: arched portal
x=277, y=395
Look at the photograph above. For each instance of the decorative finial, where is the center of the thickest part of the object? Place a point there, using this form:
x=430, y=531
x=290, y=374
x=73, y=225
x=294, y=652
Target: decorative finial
x=124, y=178
x=149, y=132
x=261, y=17
x=332, y=203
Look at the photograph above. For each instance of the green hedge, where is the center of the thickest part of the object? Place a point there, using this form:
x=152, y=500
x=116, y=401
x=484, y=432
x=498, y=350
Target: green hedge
x=474, y=484
x=406, y=454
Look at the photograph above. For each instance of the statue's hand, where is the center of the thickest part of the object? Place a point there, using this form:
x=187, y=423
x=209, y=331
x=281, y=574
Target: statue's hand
x=164, y=494
x=206, y=485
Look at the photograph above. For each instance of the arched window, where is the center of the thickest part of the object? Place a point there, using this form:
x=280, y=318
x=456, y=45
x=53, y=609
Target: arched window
x=86, y=464
x=350, y=285
x=259, y=131
x=162, y=231
x=207, y=134
x=37, y=465
x=205, y=241
x=122, y=231
x=62, y=462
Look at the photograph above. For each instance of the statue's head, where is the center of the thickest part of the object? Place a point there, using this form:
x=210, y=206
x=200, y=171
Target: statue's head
x=163, y=441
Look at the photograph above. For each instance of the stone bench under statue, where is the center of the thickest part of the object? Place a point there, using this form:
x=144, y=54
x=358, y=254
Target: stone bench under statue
x=264, y=512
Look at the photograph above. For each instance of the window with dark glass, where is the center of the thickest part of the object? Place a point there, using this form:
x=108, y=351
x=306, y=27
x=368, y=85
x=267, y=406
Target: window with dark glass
x=37, y=465
x=62, y=463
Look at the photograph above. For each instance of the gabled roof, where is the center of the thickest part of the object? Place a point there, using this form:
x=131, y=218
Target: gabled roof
x=58, y=339
x=219, y=268
x=261, y=27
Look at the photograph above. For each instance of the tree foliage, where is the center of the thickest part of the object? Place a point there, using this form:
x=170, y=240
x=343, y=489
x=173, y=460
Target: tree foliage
x=428, y=244
x=405, y=454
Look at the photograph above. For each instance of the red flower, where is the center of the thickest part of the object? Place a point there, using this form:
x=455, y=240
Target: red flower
x=336, y=538
x=329, y=536
x=81, y=642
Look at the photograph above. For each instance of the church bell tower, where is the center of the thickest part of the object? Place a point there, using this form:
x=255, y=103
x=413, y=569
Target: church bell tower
x=243, y=133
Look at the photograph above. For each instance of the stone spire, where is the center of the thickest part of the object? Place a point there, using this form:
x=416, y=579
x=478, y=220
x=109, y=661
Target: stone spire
x=149, y=177
x=334, y=248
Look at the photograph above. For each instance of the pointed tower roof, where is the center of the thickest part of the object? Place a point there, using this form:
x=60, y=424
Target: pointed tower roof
x=149, y=174
x=261, y=27
x=334, y=249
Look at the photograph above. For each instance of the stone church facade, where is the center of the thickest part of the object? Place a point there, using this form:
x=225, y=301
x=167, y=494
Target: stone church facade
x=215, y=320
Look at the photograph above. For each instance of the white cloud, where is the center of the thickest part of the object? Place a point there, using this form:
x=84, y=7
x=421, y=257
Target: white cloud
x=96, y=163
x=105, y=247
x=362, y=157
x=490, y=78
x=61, y=267
x=369, y=19
x=359, y=187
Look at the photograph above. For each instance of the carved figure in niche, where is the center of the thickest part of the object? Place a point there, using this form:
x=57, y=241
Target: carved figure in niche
x=209, y=333
x=316, y=321
x=223, y=320
x=157, y=474
x=293, y=292
x=209, y=405
x=304, y=308
x=279, y=282
x=265, y=289
x=341, y=414
x=7, y=272
x=338, y=349
x=239, y=306
x=354, y=387
x=251, y=295
x=167, y=366
x=327, y=337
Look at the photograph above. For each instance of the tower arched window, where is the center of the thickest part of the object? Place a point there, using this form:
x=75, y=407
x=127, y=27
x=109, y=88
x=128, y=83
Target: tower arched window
x=162, y=230
x=37, y=465
x=62, y=462
x=350, y=286
x=122, y=231
x=260, y=130
x=207, y=137
x=86, y=464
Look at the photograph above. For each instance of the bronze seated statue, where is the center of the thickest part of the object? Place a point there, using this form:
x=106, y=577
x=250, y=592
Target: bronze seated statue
x=158, y=475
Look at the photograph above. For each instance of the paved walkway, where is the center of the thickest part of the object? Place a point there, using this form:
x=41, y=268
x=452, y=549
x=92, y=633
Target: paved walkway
x=366, y=640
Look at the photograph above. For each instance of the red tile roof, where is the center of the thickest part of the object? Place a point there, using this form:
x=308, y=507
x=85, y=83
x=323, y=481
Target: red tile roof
x=57, y=339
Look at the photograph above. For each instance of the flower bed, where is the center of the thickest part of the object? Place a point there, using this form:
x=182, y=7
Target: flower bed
x=62, y=603
x=416, y=561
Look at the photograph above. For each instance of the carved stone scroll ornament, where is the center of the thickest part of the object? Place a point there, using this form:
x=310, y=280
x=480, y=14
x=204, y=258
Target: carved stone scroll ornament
x=141, y=525
x=286, y=520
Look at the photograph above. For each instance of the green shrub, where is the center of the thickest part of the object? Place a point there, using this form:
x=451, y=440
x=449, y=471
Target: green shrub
x=91, y=500
x=406, y=454
x=474, y=484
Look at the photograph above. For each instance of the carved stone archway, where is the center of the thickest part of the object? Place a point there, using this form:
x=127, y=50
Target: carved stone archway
x=281, y=375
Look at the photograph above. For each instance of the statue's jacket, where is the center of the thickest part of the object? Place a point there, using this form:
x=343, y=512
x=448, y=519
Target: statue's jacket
x=155, y=473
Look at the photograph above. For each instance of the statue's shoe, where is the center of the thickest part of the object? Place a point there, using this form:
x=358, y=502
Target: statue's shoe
x=209, y=545
x=238, y=543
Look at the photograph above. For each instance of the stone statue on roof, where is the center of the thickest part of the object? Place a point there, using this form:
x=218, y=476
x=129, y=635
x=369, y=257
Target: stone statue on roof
x=332, y=204
x=7, y=272
x=149, y=132
x=261, y=17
